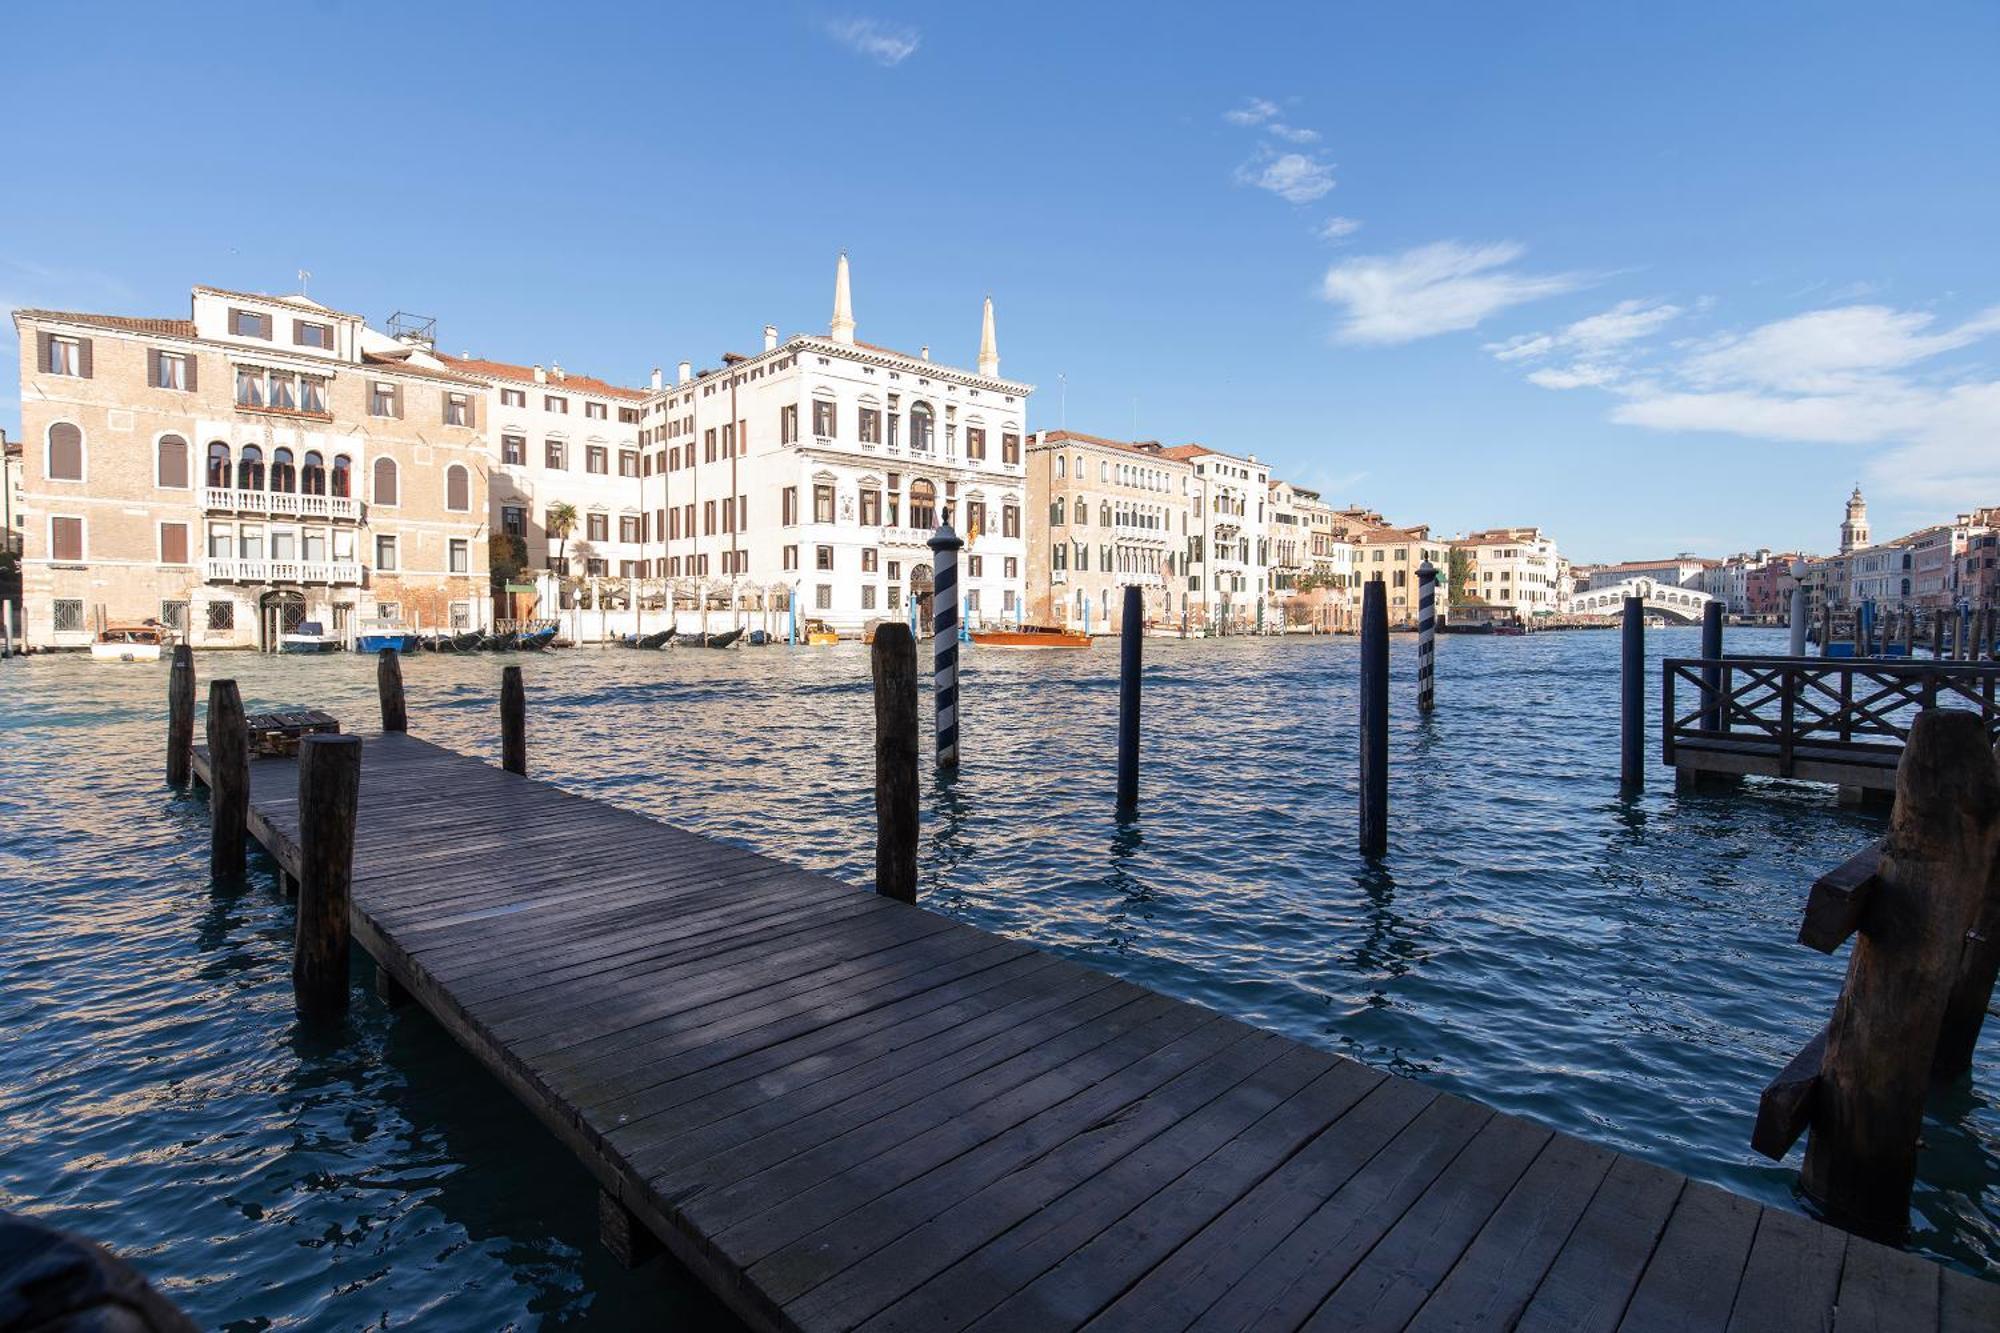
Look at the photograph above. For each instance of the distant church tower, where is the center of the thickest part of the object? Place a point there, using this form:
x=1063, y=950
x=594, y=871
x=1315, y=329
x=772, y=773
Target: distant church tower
x=1854, y=532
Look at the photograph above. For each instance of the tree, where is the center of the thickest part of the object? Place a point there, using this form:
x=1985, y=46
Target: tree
x=561, y=523
x=1458, y=566
x=506, y=558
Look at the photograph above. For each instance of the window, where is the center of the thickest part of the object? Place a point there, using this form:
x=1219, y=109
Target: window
x=249, y=387
x=65, y=538
x=628, y=528
x=822, y=557
x=708, y=517
x=457, y=489
x=174, y=615
x=284, y=544
x=871, y=425
x=628, y=463
x=65, y=453
x=284, y=476
x=555, y=453
x=823, y=502
x=513, y=450
x=628, y=416
x=513, y=398
x=461, y=555
x=65, y=356
x=596, y=458
x=920, y=427
x=788, y=424
x=923, y=504
x=823, y=597
x=1012, y=566
x=315, y=545
x=868, y=559
x=978, y=566
x=868, y=597
x=871, y=507
x=975, y=517
x=282, y=395
x=384, y=399
x=1010, y=520
x=312, y=395
x=249, y=324
x=221, y=617
x=343, y=476
x=457, y=408
x=552, y=403
x=1010, y=450
x=514, y=520
x=791, y=557
x=68, y=615
x=823, y=418
x=309, y=333
x=596, y=412
x=385, y=554
x=171, y=370
x=385, y=481
x=596, y=527
x=789, y=503
x=975, y=442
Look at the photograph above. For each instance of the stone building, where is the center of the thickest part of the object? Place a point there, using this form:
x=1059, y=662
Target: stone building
x=1229, y=554
x=1105, y=515
x=1515, y=573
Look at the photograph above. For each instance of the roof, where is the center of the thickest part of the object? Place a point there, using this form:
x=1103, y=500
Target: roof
x=1500, y=537
x=1390, y=534
x=504, y=370
x=162, y=328
x=295, y=302
x=1189, y=452
x=396, y=363
x=1144, y=448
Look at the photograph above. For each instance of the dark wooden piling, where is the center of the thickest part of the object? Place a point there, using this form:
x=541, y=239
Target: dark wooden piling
x=1632, y=698
x=329, y=791
x=1868, y=1105
x=1131, y=661
x=513, y=722
x=1711, y=676
x=893, y=661
x=1937, y=635
x=180, y=717
x=1972, y=987
x=389, y=684
x=228, y=782
x=1910, y=634
x=1374, y=730
x=1859, y=633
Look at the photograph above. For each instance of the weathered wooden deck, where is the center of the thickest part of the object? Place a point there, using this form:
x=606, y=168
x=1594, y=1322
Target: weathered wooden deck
x=840, y=1111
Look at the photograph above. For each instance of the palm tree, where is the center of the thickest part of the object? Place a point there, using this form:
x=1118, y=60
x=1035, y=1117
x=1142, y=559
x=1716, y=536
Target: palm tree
x=561, y=523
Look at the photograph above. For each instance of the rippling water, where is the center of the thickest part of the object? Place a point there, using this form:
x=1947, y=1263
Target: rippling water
x=1625, y=969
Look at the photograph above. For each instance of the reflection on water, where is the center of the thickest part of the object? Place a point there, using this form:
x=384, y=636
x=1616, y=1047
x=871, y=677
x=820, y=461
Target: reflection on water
x=1625, y=968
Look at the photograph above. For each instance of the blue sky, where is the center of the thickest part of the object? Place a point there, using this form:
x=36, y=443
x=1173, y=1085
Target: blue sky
x=1660, y=278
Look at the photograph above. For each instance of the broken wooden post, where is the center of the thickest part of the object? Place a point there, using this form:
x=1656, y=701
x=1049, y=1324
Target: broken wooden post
x=228, y=782
x=1867, y=1104
x=893, y=660
x=180, y=717
x=1632, y=698
x=1972, y=986
x=1131, y=662
x=513, y=722
x=389, y=685
x=329, y=792
x=1374, y=719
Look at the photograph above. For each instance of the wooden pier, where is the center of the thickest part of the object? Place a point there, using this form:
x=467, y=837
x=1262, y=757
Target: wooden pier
x=843, y=1111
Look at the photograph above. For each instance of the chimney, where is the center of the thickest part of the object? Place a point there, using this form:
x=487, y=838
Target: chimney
x=687, y=372
x=925, y=351
x=770, y=337
x=541, y=376
x=557, y=370
x=656, y=379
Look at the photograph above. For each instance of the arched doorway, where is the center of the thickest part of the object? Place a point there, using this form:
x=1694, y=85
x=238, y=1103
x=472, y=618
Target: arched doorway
x=920, y=596
x=279, y=613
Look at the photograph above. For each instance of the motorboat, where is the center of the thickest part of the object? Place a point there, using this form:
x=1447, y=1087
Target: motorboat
x=375, y=635
x=1031, y=636
x=309, y=637
x=131, y=643
x=819, y=634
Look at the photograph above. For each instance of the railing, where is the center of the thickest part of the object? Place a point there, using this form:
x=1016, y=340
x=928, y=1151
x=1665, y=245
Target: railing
x=276, y=503
x=1861, y=708
x=281, y=571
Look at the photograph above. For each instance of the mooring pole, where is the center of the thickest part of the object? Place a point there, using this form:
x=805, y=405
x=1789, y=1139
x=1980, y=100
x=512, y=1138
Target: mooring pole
x=945, y=546
x=893, y=660
x=228, y=782
x=329, y=791
x=1910, y=633
x=513, y=722
x=1711, y=675
x=1427, y=579
x=389, y=685
x=1374, y=719
x=180, y=717
x=1632, y=699
x=1131, y=654
x=1937, y=634
x=1801, y=618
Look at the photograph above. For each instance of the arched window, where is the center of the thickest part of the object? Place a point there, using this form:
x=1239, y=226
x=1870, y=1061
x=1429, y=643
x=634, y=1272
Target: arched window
x=218, y=464
x=1056, y=512
x=284, y=476
x=343, y=475
x=923, y=504
x=173, y=468
x=457, y=489
x=250, y=469
x=385, y=481
x=312, y=476
x=920, y=427
x=65, y=458
x=1062, y=468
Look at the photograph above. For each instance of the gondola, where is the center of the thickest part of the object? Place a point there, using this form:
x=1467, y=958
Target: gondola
x=724, y=640
x=758, y=638
x=536, y=640
x=690, y=638
x=659, y=640
x=499, y=643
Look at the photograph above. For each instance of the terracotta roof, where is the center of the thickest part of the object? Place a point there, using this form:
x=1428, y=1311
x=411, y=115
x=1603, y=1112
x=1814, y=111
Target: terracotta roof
x=1389, y=534
x=377, y=361
x=1144, y=448
x=293, y=302
x=1186, y=452
x=164, y=328
x=502, y=370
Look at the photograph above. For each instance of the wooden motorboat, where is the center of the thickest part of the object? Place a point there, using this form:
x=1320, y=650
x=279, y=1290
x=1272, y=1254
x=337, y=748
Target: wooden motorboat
x=131, y=643
x=819, y=634
x=309, y=637
x=1031, y=636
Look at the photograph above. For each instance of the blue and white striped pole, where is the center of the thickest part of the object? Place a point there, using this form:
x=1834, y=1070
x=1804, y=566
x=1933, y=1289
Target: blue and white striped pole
x=965, y=620
x=1427, y=581
x=945, y=546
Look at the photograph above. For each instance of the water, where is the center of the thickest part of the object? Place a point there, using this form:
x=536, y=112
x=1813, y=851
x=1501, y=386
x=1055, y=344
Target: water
x=1624, y=969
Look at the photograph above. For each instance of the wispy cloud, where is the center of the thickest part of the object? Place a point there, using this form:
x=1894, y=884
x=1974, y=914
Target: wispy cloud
x=888, y=44
x=1297, y=178
x=1438, y=288
x=1292, y=133
x=1254, y=111
x=1597, y=347
x=1337, y=228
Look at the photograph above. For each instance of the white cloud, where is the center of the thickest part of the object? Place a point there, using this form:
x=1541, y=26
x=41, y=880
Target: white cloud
x=1297, y=178
x=1597, y=345
x=1826, y=349
x=1254, y=111
x=1437, y=288
x=1579, y=375
x=1292, y=133
x=884, y=43
x=1337, y=228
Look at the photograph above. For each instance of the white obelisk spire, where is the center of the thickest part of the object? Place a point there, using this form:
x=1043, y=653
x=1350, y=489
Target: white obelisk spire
x=989, y=349
x=842, y=330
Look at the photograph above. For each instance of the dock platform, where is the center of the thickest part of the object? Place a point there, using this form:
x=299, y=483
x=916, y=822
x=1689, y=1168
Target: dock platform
x=841, y=1111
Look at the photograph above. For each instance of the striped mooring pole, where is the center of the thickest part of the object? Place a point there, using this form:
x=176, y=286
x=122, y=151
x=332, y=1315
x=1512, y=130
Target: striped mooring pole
x=1427, y=582
x=945, y=546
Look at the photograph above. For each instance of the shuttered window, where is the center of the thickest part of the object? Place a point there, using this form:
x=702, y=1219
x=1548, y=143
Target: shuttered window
x=173, y=462
x=66, y=538
x=58, y=354
x=307, y=333
x=65, y=461
x=173, y=543
x=457, y=489
x=249, y=324
x=170, y=370
x=385, y=481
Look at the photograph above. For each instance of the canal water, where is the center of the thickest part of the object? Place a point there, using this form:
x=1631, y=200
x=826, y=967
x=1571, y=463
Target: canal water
x=1623, y=969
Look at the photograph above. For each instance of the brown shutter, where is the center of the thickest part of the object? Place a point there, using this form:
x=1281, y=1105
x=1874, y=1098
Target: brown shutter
x=154, y=378
x=173, y=461
x=471, y=410
x=192, y=360
x=41, y=352
x=83, y=357
x=396, y=399
x=66, y=538
x=444, y=406
x=173, y=543
x=298, y=333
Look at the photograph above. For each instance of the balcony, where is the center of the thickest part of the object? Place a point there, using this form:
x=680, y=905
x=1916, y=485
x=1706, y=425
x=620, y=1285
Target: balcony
x=280, y=504
x=281, y=571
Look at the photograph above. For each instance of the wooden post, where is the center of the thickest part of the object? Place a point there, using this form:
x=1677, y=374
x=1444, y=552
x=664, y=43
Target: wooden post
x=329, y=791
x=1972, y=987
x=1711, y=676
x=1937, y=634
x=945, y=546
x=1131, y=661
x=180, y=717
x=228, y=782
x=389, y=685
x=1910, y=633
x=513, y=722
x=1427, y=582
x=1859, y=633
x=1868, y=1105
x=893, y=660
x=1374, y=719
x=1632, y=699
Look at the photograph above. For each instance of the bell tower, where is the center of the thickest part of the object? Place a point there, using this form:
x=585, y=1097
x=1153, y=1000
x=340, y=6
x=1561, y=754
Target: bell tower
x=1854, y=532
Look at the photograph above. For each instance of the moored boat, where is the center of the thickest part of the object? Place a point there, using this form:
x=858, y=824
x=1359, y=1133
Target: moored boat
x=309, y=637
x=533, y=641
x=131, y=643
x=723, y=640
x=659, y=640
x=375, y=635
x=819, y=634
x=1031, y=636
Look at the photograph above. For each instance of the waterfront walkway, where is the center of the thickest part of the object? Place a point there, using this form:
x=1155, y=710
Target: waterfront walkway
x=840, y=1111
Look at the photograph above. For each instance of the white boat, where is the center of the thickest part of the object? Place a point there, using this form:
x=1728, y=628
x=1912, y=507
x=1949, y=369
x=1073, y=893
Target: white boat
x=309, y=637
x=130, y=643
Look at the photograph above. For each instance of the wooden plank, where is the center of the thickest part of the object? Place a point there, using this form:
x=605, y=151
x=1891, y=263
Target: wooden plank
x=1967, y=1304
x=1882, y=1290
x=1595, y=1272
x=1839, y=898
x=1690, y=1282
x=1792, y=1277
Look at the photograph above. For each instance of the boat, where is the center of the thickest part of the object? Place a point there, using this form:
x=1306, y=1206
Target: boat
x=535, y=640
x=309, y=637
x=758, y=638
x=660, y=640
x=375, y=635
x=723, y=640
x=499, y=643
x=819, y=634
x=131, y=643
x=1031, y=636
x=1511, y=631
x=868, y=630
